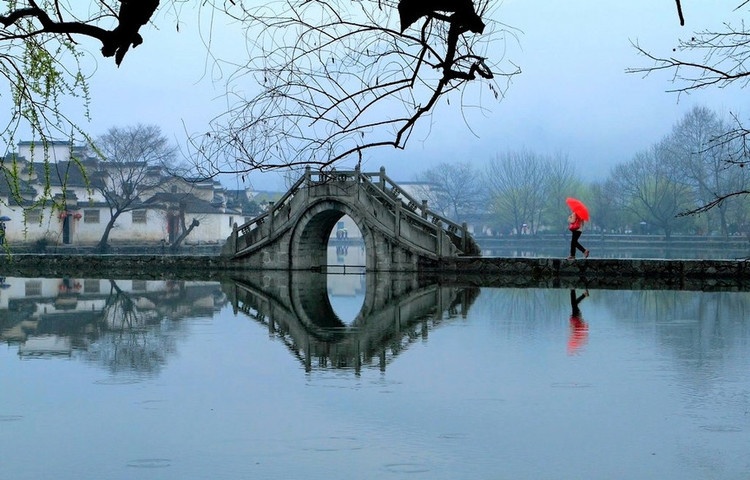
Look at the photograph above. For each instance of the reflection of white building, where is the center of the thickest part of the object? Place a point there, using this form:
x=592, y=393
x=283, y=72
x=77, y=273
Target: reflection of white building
x=47, y=316
x=74, y=212
x=346, y=285
x=45, y=345
x=353, y=254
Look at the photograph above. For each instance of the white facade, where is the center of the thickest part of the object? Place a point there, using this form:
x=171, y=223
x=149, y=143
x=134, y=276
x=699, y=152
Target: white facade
x=72, y=212
x=54, y=152
x=94, y=302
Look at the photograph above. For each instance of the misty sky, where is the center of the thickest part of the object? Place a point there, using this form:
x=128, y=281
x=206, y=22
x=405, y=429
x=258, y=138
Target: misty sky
x=573, y=96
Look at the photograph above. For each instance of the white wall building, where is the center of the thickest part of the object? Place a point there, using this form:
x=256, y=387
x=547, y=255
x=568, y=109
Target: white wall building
x=59, y=201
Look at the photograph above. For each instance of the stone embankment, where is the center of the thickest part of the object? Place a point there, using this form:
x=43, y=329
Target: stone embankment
x=595, y=273
x=480, y=271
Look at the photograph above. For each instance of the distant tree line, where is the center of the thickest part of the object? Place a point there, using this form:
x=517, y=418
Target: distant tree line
x=678, y=185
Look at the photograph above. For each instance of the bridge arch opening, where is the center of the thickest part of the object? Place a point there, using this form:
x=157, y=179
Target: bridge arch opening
x=331, y=236
x=346, y=247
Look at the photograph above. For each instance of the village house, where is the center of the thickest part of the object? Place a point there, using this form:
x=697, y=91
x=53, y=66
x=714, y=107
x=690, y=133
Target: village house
x=64, y=201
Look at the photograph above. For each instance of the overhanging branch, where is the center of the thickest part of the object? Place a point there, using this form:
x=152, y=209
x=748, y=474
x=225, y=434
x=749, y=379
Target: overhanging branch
x=350, y=81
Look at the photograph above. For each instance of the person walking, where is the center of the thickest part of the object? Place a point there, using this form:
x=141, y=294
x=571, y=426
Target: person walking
x=575, y=225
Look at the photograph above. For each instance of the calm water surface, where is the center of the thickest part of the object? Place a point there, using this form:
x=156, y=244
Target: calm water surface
x=283, y=377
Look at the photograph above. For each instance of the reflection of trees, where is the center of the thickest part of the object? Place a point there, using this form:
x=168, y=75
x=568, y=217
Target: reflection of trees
x=125, y=331
x=135, y=339
x=700, y=330
x=140, y=329
x=523, y=311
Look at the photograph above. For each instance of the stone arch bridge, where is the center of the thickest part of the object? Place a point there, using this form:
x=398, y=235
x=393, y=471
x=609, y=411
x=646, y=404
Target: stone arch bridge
x=399, y=231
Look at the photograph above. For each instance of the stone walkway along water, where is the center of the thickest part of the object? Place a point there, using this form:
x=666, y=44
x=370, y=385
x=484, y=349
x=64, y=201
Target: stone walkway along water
x=478, y=271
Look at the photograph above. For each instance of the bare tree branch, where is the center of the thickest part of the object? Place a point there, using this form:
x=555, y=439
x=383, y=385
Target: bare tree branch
x=679, y=12
x=339, y=78
x=133, y=14
x=710, y=58
x=714, y=203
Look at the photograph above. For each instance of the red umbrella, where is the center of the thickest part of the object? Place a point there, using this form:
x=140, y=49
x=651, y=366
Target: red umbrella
x=578, y=208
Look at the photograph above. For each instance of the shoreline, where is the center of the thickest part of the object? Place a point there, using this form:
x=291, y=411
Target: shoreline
x=476, y=271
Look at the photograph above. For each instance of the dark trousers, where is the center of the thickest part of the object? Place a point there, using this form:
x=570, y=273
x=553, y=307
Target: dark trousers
x=574, y=243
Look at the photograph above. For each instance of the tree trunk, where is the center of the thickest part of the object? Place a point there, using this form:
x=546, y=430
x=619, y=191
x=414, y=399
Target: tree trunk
x=723, y=220
x=185, y=232
x=103, y=245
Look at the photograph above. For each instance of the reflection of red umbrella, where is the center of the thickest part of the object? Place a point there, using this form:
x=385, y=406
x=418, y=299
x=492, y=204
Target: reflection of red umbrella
x=579, y=334
x=578, y=208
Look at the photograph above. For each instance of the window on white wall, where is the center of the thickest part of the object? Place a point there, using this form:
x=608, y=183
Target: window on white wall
x=139, y=216
x=91, y=216
x=33, y=216
x=33, y=288
x=91, y=286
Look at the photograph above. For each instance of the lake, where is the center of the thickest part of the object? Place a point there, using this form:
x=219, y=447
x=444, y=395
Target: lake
x=277, y=376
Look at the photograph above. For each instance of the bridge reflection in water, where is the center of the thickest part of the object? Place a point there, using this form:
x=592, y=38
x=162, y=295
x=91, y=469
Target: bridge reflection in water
x=296, y=308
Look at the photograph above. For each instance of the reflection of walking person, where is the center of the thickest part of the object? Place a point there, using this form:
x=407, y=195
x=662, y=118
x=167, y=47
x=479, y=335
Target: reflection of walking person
x=579, y=330
x=575, y=225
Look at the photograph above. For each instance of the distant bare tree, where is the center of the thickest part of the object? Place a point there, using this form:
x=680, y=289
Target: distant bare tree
x=339, y=77
x=516, y=186
x=561, y=181
x=134, y=157
x=453, y=189
x=653, y=189
x=604, y=199
x=711, y=58
x=527, y=187
x=702, y=160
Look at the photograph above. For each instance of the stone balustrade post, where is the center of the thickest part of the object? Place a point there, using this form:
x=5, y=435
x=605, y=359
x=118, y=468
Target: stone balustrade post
x=271, y=211
x=440, y=238
x=397, y=213
x=233, y=238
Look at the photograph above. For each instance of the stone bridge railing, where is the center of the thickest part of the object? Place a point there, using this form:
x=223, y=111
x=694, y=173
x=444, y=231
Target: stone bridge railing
x=266, y=227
